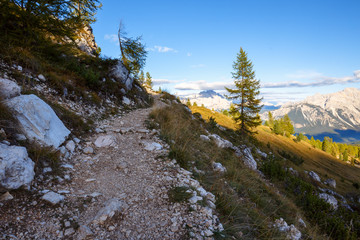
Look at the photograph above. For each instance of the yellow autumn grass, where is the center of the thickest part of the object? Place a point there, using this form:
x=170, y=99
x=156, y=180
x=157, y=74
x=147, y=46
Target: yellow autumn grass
x=316, y=160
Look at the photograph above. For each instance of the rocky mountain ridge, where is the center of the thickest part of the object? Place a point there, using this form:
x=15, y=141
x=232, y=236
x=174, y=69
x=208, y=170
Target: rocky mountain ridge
x=209, y=98
x=324, y=113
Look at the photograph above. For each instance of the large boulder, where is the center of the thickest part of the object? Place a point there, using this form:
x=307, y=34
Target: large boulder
x=16, y=168
x=122, y=74
x=38, y=121
x=9, y=89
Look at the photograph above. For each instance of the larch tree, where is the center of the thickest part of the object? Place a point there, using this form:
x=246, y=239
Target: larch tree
x=246, y=91
x=133, y=53
x=39, y=18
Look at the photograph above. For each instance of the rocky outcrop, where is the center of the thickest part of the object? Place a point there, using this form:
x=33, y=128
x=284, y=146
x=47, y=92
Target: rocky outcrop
x=121, y=74
x=9, y=89
x=86, y=41
x=220, y=142
x=16, y=168
x=329, y=199
x=37, y=120
x=244, y=153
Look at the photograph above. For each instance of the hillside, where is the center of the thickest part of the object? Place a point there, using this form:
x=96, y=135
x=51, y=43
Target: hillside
x=335, y=115
x=300, y=158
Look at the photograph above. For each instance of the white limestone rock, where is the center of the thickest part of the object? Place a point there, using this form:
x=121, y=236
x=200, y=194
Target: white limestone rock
x=244, y=153
x=16, y=168
x=38, y=121
x=195, y=199
x=41, y=78
x=106, y=141
x=53, y=198
x=204, y=138
x=9, y=89
x=220, y=142
x=111, y=207
x=314, y=176
x=70, y=145
x=152, y=146
x=122, y=74
x=262, y=154
x=330, y=182
x=218, y=167
x=126, y=101
x=302, y=223
x=88, y=150
x=291, y=231
x=329, y=199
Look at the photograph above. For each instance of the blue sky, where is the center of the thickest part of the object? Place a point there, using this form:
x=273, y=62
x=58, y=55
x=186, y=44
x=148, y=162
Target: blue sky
x=298, y=48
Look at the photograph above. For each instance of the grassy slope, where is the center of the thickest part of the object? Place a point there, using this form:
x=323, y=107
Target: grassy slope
x=247, y=205
x=314, y=160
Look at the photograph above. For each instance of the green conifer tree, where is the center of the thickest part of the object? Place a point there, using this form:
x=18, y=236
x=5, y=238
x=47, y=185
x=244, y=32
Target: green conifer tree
x=287, y=125
x=345, y=156
x=188, y=103
x=141, y=78
x=270, y=120
x=247, y=92
x=148, y=81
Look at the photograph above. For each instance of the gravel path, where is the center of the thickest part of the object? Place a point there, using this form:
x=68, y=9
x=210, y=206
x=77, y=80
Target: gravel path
x=128, y=177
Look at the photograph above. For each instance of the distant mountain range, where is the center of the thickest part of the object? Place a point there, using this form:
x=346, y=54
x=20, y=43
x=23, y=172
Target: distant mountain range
x=210, y=99
x=214, y=100
x=336, y=115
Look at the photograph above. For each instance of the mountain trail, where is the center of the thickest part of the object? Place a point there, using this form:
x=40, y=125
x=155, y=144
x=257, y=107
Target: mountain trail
x=115, y=186
x=135, y=176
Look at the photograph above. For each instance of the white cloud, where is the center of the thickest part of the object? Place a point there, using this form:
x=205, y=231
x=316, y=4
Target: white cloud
x=111, y=37
x=198, y=65
x=318, y=81
x=203, y=85
x=161, y=49
x=165, y=81
x=189, y=54
x=304, y=74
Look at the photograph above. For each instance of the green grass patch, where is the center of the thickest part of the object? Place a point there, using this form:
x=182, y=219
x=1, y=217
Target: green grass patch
x=179, y=194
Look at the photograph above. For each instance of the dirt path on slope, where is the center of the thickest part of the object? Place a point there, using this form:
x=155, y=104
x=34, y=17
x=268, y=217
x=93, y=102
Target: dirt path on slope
x=115, y=186
x=137, y=174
